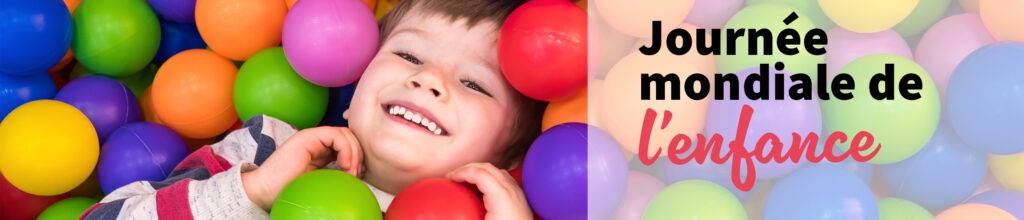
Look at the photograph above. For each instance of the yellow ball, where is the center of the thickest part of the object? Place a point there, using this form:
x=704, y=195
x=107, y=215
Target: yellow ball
x=1007, y=169
x=47, y=147
x=867, y=16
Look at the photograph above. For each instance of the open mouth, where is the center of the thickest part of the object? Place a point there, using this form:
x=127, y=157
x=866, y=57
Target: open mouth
x=414, y=116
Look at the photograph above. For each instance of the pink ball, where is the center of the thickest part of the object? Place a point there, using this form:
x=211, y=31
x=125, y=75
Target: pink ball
x=946, y=43
x=845, y=46
x=713, y=13
x=330, y=42
x=640, y=189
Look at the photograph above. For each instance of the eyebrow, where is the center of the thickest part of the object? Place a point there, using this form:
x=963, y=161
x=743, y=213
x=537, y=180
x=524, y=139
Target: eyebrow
x=413, y=31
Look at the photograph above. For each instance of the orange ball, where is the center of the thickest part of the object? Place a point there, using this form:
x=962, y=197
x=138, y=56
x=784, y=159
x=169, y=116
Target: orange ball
x=146, y=103
x=1003, y=19
x=369, y=3
x=237, y=29
x=72, y=4
x=974, y=211
x=192, y=93
x=573, y=109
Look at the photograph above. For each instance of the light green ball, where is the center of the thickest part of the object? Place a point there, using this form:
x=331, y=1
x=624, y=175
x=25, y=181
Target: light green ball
x=901, y=126
x=115, y=37
x=926, y=13
x=807, y=9
x=898, y=209
x=695, y=199
x=325, y=194
x=770, y=16
x=70, y=208
x=267, y=85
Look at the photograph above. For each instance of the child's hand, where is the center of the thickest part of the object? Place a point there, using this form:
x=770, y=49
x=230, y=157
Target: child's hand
x=503, y=199
x=307, y=150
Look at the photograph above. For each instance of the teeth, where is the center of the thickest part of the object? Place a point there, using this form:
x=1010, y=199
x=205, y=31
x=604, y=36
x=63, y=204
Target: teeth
x=415, y=118
x=431, y=126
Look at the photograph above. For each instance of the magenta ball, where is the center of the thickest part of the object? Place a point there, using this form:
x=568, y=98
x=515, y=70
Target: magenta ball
x=106, y=102
x=330, y=42
x=142, y=151
x=845, y=46
x=947, y=43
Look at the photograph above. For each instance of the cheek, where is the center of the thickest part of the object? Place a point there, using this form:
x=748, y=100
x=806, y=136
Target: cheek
x=486, y=127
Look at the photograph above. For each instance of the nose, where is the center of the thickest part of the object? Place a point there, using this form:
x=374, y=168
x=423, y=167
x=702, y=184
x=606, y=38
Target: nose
x=428, y=81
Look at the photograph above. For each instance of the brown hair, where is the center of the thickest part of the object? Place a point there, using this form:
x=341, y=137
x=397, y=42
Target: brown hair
x=526, y=126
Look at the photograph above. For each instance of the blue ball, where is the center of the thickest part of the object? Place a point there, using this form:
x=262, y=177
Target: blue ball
x=985, y=98
x=176, y=37
x=340, y=98
x=17, y=90
x=35, y=35
x=142, y=151
x=943, y=173
x=821, y=191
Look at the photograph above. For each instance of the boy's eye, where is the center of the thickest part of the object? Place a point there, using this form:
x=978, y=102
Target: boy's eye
x=472, y=85
x=408, y=57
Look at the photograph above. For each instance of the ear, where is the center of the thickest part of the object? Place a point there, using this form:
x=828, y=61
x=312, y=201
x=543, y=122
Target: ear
x=345, y=114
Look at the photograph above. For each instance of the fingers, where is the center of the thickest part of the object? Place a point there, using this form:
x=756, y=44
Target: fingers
x=502, y=197
x=351, y=161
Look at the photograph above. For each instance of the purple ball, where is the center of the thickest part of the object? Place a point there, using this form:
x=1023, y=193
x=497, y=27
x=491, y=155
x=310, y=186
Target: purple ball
x=106, y=102
x=175, y=10
x=1007, y=199
x=142, y=151
x=555, y=172
x=607, y=174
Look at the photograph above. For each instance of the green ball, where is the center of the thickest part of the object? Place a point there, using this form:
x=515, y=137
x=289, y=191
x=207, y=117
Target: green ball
x=926, y=13
x=266, y=84
x=325, y=194
x=807, y=9
x=115, y=37
x=137, y=82
x=695, y=199
x=901, y=126
x=770, y=16
x=898, y=209
x=70, y=208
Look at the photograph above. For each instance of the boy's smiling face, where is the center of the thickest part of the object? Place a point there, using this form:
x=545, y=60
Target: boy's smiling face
x=442, y=71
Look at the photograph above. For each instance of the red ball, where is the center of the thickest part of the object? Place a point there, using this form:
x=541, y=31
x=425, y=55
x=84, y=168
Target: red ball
x=543, y=49
x=435, y=198
x=16, y=204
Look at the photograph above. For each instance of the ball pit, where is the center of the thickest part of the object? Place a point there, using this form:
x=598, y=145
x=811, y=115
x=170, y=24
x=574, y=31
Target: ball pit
x=52, y=165
x=102, y=24
x=70, y=208
x=918, y=178
x=237, y=29
x=330, y=42
x=106, y=102
x=325, y=194
x=947, y=43
x=31, y=46
x=984, y=98
x=207, y=79
x=436, y=198
x=545, y=59
x=142, y=151
x=267, y=85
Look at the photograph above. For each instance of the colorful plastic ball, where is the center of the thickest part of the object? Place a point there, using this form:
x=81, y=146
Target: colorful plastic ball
x=35, y=35
x=339, y=99
x=325, y=194
x=17, y=90
x=984, y=98
x=72, y=4
x=1006, y=169
x=780, y=117
x=607, y=173
x=974, y=211
x=47, y=147
x=137, y=82
x=926, y=13
x=573, y=109
x=555, y=172
x=70, y=208
x=16, y=204
x=908, y=123
x=821, y=191
x=436, y=198
x=115, y=37
x=542, y=49
x=383, y=7
x=369, y=3
x=720, y=174
x=766, y=15
x=845, y=46
x=898, y=209
x=176, y=37
x=640, y=189
x=944, y=165
x=947, y=43
x=143, y=151
x=1002, y=18
x=634, y=18
x=806, y=9
x=970, y=6
x=267, y=85
x=695, y=199
x=869, y=15
x=106, y=102
x=176, y=10
x=712, y=13
x=237, y=29
x=330, y=42
x=1011, y=201
x=192, y=94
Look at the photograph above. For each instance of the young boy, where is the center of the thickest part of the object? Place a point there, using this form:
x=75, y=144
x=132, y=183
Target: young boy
x=432, y=103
